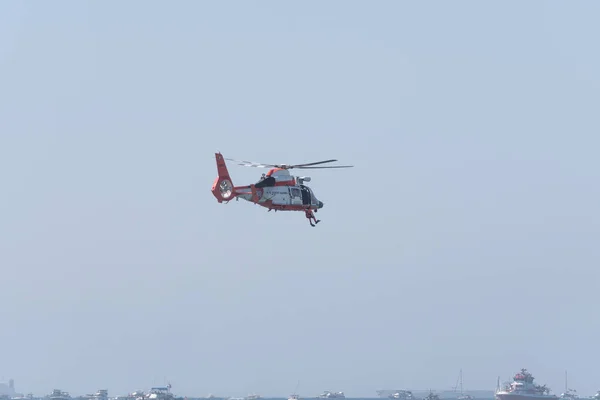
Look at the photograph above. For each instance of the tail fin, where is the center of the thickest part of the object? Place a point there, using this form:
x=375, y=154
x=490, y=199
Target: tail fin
x=222, y=188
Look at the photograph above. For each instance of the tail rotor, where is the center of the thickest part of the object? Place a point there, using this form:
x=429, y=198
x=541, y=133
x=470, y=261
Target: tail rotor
x=222, y=188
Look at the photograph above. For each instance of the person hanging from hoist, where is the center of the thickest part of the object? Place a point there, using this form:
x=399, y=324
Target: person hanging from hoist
x=311, y=216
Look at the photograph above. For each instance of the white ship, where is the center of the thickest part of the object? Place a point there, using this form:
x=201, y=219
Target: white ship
x=57, y=394
x=21, y=397
x=137, y=395
x=432, y=396
x=596, y=396
x=295, y=395
x=332, y=395
x=160, y=393
x=523, y=388
x=253, y=397
x=402, y=395
x=462, y=395
x=101, y=394
x=568, y=394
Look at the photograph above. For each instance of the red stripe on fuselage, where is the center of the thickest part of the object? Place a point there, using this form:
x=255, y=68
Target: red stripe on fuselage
x=285, y=207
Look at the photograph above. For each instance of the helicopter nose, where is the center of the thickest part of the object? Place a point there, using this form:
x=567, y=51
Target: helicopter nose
x=320, y=204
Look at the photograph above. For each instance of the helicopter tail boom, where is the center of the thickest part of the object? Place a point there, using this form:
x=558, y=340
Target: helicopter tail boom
x=222, y=188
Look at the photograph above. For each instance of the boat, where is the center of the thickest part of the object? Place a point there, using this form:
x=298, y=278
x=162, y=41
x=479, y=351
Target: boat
x=402, y=395
x=101, y=394
x=332, y=395
x=58, y=394
x=137, y=395
x=252, y=397
x=432, y=396
x=295, y=396
x=568, y=394
x=523, y=388
x=29, y=396
x=161, y=393
x=596, y=396
x=462, y=395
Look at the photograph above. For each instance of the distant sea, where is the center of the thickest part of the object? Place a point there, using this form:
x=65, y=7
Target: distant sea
x=417, y=396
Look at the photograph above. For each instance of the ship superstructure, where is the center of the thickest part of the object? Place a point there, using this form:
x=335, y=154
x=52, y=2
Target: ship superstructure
x=402, y=395
x=58, y=394
x=568, y=394
x=332, y=395
x=462, y=395
x=523, y=388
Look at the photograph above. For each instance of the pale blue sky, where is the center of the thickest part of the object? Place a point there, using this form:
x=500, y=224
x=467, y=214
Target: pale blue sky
x=465, y=237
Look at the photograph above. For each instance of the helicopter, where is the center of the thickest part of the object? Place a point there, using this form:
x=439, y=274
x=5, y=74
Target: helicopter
x=276, y=190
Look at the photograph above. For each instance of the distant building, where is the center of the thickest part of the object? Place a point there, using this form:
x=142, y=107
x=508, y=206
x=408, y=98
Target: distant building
x=8, y=389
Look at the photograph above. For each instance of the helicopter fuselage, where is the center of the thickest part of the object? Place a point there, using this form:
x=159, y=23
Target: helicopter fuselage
x=279, y=190
x=290, y=198
x=276, y=190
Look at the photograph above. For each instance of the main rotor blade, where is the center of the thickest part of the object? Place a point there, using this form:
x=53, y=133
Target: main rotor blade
x=252, y=164
x=307, y=164
x=337, y=166
x=286, y=166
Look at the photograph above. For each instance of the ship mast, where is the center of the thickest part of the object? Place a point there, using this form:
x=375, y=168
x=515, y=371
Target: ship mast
x=459, y=383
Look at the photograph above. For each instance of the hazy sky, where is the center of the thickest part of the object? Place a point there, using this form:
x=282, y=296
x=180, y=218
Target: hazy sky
x=467, y=236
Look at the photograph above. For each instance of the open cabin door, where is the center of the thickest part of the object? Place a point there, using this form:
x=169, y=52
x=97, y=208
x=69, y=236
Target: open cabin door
x=305, y=195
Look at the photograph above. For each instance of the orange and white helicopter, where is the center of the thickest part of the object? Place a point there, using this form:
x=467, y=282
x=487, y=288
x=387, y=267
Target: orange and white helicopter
x=276, y=190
